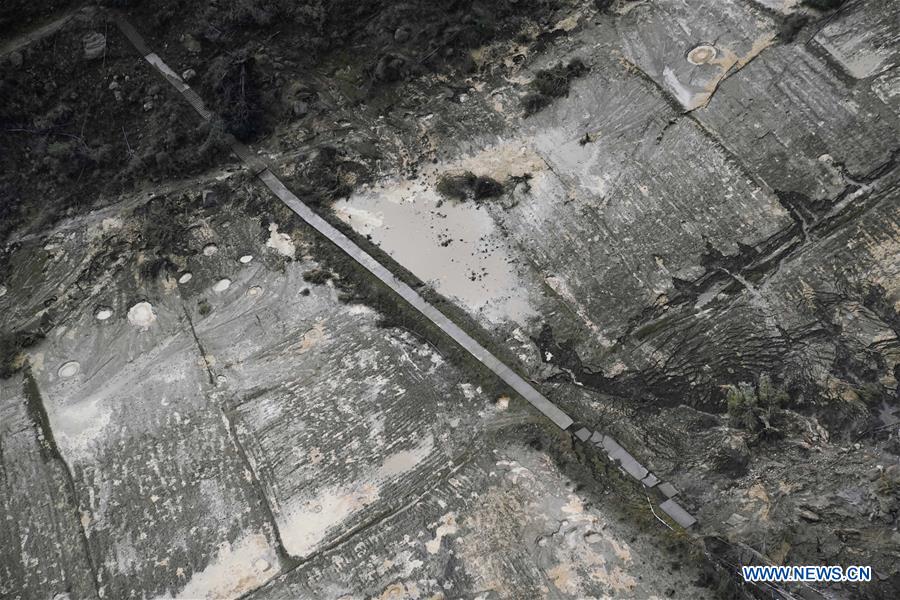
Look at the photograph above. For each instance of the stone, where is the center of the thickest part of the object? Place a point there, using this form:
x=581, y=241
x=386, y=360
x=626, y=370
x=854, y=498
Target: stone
x=809, y=515
x=94, y=45
x=210, y=198
x=731, y=459
x=401, y=34
x=736, y=520
x=191, y=44
x=142, y=315
x=299, y=108
x=188, y=74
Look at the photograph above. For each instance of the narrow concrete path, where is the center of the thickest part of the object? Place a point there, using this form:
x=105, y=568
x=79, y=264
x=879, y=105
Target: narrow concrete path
x=507, y=375
x=664, y=492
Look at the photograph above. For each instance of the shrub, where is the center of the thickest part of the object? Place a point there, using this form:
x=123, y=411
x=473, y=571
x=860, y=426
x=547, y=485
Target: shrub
x=754, y=408
x=317, y=276
x=235, y=90
x=552, y=83
x=456, y=186
x=485, y=187
x=466, y=185
x=323, y=175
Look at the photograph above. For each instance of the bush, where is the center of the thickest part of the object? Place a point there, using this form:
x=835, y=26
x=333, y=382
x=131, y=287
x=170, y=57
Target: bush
x=325, y=175
x=552, y=83
x=234, y=88
x=466, y=185
x=752, y=408
x=317, y=276
x=456, y=186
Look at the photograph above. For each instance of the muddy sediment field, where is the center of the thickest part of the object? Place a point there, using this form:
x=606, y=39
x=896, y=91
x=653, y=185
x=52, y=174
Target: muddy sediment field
x=680, y=222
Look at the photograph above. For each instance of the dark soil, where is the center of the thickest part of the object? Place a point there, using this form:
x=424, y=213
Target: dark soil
x=23, y=15
x=77, y=132
x=275, y=43
x=232, y=84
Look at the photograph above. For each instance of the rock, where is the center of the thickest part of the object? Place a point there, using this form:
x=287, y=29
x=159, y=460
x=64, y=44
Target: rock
x=189, y=74
x=299, y=108
x=191, y=44
x=114, y=85
x=809, y=515
x=402, y=34
x=732, y=460
x=874, y=474
x=210, y=198
x=390, y=68
x=94, y=45
x=892, y=474
x=736, y=520
x=148, y=106
x=15, y=59
x=142, y=315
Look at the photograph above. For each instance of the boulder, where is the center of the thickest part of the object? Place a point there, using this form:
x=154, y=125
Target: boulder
x=94, y=45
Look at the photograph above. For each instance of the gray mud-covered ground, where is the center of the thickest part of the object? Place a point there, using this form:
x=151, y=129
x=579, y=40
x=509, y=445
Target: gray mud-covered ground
x=680, y=221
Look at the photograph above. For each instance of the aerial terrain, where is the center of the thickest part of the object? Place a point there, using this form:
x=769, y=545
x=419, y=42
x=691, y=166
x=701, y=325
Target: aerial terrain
x=482, y=299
